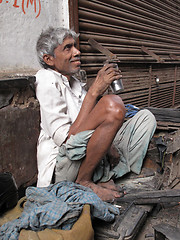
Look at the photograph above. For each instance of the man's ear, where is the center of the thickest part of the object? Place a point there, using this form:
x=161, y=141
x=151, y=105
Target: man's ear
x=48, y=59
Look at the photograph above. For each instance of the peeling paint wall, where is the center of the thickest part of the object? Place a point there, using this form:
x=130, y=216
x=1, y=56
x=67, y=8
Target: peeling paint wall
x=20, y=24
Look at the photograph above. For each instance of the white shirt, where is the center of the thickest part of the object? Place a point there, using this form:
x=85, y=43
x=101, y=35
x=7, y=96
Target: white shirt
x=59, y=107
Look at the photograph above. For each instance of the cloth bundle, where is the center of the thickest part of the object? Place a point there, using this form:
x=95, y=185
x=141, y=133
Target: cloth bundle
x=56, y=206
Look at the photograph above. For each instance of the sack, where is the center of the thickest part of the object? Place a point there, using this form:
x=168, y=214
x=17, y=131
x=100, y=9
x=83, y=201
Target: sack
x=81, y=230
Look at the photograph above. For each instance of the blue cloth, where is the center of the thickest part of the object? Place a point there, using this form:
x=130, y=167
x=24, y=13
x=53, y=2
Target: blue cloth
x=56, y=206
x=131, y=110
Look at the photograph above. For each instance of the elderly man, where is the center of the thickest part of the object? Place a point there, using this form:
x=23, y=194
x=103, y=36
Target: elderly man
x=79, y=133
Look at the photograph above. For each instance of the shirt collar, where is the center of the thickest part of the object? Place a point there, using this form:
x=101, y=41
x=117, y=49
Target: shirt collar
x=64, y=78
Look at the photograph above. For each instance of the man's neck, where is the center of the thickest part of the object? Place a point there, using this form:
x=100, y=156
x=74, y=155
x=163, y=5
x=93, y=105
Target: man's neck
x=68, y=77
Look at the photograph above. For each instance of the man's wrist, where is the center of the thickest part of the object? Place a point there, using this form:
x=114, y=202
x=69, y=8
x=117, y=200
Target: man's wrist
x=93, y=92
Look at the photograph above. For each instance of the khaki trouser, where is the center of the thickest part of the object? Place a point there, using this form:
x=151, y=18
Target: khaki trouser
x=132, y=142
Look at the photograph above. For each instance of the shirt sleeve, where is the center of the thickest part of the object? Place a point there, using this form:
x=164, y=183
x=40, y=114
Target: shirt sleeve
x=53, y=108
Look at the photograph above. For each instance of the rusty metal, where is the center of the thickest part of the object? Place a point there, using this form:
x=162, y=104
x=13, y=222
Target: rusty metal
x=150, y=80
x=137, y=84
x=115, y=18
x=90, y=26
x=102, y=49
x=74, y=17
x=161, y=97
x=124, y=27
x=144, y=8
x=174, y=57
x=152, y=54
x=114, y=42
x=121, y=23
x=113, y=7
x=174, y=91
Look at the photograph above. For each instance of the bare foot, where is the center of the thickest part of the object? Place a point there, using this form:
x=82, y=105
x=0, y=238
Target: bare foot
x=105, y=194
x=111, y=185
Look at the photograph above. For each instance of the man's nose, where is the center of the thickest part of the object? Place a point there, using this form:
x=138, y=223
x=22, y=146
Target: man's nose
x=76, y=51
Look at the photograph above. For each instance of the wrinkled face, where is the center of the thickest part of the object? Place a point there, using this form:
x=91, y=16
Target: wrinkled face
x=66, y=58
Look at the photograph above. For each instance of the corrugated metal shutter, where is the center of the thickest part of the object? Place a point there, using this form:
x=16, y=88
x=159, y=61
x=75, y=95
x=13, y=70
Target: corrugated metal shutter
x=124, y=26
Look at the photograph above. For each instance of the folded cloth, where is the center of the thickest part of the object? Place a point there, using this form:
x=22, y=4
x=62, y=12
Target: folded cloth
x=70, y=156
x=131, y=110
x=56, y=206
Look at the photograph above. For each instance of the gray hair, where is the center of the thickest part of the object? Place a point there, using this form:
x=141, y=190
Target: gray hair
x=51, y=39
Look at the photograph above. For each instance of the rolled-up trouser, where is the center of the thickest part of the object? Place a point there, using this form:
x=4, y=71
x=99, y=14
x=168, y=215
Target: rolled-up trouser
x=131, y=140
x=70, y=156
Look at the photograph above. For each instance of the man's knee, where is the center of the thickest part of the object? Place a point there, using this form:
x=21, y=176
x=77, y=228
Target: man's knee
x=114, y=107
x=149, y=119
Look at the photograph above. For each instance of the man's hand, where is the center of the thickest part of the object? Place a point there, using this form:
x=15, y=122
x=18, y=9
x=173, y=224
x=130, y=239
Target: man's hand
x=105, y=77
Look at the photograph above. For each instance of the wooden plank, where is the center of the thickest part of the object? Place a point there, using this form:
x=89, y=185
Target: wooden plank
x=174, y=144
x=152, y=197
x=174, y=176
x=167, y=125
x=166, y=114
x=170, y=232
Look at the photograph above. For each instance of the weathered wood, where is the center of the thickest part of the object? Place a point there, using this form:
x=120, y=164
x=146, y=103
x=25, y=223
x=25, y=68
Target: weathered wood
x=151, y=197
x=168, y=231
x=167, y=125
x=174, y=144
x=166, y=114
x=174, y=176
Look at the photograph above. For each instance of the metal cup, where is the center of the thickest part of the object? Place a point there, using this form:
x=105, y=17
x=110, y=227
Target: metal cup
x=117, y=85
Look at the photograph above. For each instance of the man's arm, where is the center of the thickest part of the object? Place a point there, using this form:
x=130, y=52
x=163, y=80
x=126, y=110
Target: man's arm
x=103, y=80
x=52, y=106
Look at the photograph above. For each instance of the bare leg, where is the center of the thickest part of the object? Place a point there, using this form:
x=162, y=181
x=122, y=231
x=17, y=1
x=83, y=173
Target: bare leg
x=106, y=119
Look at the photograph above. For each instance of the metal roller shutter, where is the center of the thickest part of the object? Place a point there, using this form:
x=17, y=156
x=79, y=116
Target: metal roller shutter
x=125, y=27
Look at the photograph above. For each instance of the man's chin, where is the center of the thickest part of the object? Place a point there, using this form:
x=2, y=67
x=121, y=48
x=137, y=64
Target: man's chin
x=74, y=71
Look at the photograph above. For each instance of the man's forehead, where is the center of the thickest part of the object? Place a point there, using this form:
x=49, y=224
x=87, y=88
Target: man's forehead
x=68, y=39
